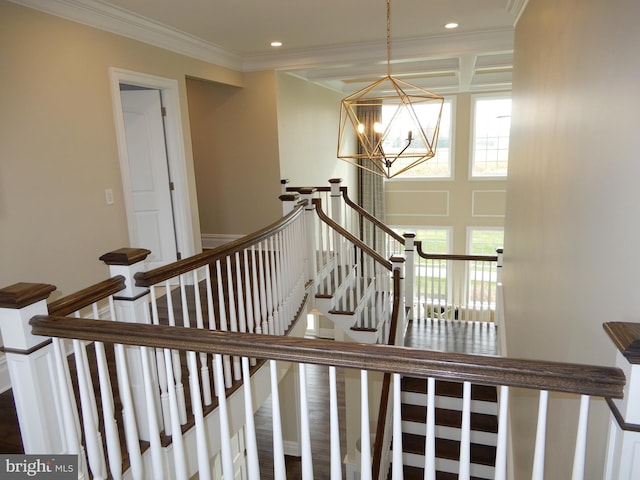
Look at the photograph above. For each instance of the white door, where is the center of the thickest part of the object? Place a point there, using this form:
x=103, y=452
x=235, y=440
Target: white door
x=149, y=174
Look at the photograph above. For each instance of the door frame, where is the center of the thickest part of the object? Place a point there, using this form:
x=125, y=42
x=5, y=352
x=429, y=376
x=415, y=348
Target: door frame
x=176, y=157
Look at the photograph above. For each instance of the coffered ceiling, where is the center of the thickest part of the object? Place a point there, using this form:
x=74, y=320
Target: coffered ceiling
x=337, y=43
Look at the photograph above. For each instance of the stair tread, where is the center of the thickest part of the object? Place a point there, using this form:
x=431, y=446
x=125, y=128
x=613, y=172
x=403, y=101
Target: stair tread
x=450, y=389
x=450, y=418
x=449, y=449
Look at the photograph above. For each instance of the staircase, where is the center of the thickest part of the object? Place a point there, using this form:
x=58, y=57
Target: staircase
x=448, y=403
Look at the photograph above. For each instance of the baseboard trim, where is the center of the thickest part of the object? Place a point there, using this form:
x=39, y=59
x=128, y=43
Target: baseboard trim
x=214, y=240
x=291, y=448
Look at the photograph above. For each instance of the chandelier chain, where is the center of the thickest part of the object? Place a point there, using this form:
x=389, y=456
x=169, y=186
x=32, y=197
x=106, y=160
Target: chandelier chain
x=389, y=37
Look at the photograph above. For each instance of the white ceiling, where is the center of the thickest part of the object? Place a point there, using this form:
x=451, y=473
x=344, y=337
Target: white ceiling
x=337, y=43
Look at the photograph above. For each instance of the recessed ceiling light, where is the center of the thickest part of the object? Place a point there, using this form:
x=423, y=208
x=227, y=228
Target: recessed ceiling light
x=451, y=25
x=276, y=44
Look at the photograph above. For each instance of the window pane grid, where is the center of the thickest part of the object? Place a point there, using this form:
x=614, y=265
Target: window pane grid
x=440, y=165
x=492, y=126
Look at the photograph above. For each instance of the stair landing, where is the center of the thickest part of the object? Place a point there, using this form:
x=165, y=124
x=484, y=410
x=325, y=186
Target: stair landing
x=459, y=336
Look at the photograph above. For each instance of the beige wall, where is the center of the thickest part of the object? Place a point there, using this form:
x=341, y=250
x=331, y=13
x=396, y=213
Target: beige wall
x=572, y=229
x=308, y=118
x=457, y=202
x=235, y=149
x=58, y=150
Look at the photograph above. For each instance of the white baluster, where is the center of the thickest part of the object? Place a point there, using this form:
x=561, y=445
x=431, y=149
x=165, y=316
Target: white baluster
x=269, y=290
x=581, y=439
x=305, y=437
x=501, y=447
x=397, y=472
x=176, y=430
x=223, y=323
x=225, y=435
x=93, y=444
x=253, y=465
x=465, y=433
x=211, y=310
x=204, y=368
x=110, y=426
x=67, y=399
x=155, y=445
x=336, y=459
x=162, y=376
x=175, y=360
x=263, y=291
x=279, y=469
x=365, y=433
x=106, y=395
x=233, y=318
x=202, y=448
x=128, y=414
x=541, y=433
x=430, y=442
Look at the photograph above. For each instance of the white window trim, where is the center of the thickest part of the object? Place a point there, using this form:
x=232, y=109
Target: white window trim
x=472, y=133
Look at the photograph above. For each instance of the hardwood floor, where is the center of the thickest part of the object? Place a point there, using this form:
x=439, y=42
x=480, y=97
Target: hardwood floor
x=318, y=402
x=460, y=336
x=449, y=335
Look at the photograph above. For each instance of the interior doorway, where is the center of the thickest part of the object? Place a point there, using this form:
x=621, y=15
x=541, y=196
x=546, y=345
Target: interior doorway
x=152, y=165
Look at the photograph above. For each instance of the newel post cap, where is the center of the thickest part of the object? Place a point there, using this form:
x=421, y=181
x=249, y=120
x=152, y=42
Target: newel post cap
x=18, y=303
x=127, y=262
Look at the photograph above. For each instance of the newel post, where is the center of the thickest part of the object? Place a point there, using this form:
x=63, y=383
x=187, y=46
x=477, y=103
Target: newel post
x=623, y=447
x=398, y=262
x=289, y=202
x=132, y=306
x=409, y=272
x=31, y=367
x=336, y=200
x=310, y=227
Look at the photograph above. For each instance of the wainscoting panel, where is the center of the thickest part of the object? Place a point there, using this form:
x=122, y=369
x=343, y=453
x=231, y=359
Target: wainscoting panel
x=417, y=203
x=488, y=203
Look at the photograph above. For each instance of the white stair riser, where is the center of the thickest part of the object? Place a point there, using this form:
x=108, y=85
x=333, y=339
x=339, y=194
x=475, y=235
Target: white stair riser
x=449, y=466
x=451, y=433
x=450, y=403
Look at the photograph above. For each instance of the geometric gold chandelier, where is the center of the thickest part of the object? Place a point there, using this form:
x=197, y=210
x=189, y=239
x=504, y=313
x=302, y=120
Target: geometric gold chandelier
x=395, y=124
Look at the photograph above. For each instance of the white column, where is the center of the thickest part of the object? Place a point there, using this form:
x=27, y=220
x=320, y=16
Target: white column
x=31, y=365
x=623, y=448
x=132, y=306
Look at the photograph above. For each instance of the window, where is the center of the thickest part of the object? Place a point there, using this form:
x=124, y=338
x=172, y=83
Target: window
x=491, y=129
x=438, y=166
x=484, y=240
x=431, y=282
x=434, y=239
x=483, y=276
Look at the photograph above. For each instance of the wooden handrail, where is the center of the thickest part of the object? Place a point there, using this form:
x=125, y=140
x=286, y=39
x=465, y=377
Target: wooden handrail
x=349, y=236
x=449, y=256
x=157, y=275
x=356, y=207
x=87, y=296
x=378, y=223
x=578, y=379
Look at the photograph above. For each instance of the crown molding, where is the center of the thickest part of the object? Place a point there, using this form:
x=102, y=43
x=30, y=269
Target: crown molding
x=515, y=9
x=122, y=22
